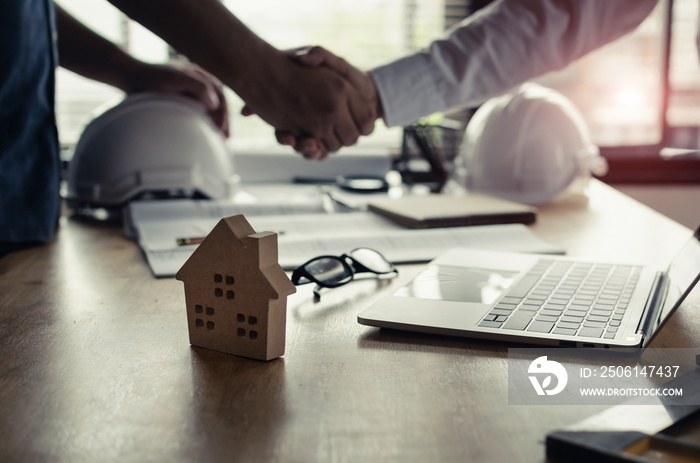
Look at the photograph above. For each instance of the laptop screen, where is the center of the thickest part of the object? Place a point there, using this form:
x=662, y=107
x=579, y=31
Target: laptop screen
x=451, y=283
x=683, y=273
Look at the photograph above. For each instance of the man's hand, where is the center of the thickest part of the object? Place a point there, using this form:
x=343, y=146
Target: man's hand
x=191, y=81
x=314, y=103
x=318, y=56
x=368, y=104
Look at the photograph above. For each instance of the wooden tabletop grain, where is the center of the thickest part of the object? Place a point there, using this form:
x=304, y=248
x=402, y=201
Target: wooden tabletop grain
x=95, y=363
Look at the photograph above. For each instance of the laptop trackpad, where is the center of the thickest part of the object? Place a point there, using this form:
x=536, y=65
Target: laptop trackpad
x=459, y=284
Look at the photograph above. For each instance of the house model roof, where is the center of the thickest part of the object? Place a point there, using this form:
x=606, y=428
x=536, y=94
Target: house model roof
x=234, y=238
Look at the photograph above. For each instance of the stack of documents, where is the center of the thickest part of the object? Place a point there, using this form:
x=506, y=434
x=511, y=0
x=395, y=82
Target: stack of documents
x=306, y=230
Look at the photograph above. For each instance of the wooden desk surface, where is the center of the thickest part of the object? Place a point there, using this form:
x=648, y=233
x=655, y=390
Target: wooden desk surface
x=95, y=363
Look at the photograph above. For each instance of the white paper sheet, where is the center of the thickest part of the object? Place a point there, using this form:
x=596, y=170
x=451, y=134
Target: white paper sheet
x=303, y=236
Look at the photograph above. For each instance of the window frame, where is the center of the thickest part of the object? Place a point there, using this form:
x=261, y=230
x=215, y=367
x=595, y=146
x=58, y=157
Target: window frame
x=646, y=163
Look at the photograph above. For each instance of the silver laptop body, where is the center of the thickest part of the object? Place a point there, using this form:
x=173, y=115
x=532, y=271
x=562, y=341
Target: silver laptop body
x=537, y=299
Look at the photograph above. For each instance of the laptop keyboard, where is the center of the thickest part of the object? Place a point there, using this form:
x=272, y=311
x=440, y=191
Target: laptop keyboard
x=567, y=298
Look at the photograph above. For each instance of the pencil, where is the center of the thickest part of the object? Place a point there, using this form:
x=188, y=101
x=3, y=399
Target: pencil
x=198, y=239
x=187, y=241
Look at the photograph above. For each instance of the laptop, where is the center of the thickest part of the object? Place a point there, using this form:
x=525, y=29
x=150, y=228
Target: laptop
x=535, y=299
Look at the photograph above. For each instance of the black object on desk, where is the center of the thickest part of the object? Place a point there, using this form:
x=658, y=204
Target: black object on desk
x=663, y=432
x=427, y=144
x=352, y=183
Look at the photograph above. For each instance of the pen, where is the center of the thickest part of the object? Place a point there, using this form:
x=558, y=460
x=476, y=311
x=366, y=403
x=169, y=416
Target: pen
x=198, y=239
x=186, y=241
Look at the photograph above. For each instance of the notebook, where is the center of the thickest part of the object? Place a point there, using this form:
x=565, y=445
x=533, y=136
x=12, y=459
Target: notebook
x=540, y=300
x=452, y=211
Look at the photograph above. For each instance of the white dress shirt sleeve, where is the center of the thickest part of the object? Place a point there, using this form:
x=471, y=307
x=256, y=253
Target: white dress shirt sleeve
x=500, y=46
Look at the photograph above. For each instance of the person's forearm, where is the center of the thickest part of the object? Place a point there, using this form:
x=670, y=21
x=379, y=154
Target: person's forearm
x=88, y=54
x=501, y=46
x=208, y=34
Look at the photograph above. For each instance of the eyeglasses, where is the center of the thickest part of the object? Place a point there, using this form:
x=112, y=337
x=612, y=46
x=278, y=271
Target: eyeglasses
x=334, y=271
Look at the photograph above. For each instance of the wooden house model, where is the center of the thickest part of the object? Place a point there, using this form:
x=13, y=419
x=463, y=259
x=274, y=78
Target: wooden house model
x=236, y=292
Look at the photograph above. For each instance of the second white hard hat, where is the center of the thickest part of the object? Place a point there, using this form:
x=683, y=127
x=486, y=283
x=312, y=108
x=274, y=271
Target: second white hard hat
x=527, y=146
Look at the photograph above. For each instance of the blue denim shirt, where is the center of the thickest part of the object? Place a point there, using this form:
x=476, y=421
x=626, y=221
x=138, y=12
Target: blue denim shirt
x=29, y=150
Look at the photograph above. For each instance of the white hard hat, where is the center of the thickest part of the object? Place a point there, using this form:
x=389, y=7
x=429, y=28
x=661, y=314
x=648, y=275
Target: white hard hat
x=150, y=143
x=527, y=146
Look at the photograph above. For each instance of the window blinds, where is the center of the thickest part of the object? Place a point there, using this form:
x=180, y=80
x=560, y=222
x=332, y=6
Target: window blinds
x=365, y=32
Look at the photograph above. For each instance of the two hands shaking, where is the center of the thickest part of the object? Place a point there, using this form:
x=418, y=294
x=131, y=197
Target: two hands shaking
x=340, y=107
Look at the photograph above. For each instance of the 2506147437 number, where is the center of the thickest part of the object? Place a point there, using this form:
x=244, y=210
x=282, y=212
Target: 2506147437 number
x=637, y=371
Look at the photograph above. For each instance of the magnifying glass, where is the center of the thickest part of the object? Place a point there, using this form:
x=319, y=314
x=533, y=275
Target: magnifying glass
x=352, y=183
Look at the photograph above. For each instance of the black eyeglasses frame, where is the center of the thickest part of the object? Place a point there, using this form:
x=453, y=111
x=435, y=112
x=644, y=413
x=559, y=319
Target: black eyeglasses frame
x=352, y=268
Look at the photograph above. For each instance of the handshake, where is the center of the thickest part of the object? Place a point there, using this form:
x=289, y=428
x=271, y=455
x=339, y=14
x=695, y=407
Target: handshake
x=317, y=103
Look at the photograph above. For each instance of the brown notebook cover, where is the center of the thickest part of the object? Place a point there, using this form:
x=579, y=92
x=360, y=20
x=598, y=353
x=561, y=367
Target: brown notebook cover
x=453, y=211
